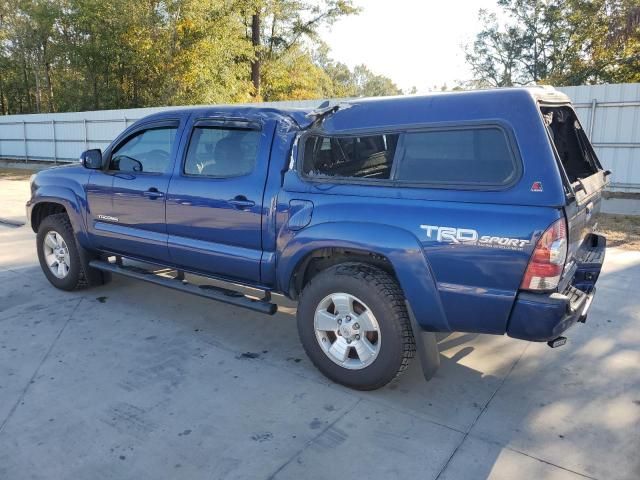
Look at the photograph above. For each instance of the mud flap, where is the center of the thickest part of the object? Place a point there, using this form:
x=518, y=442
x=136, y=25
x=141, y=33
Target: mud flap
x=426, y=347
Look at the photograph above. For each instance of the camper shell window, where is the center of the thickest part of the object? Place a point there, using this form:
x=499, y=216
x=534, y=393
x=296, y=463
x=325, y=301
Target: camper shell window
x=365, y=157
x=478, y=157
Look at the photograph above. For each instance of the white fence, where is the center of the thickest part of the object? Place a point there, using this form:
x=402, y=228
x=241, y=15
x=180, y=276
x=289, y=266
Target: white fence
x=61, y=137
x=611, y=116
x=609, y=113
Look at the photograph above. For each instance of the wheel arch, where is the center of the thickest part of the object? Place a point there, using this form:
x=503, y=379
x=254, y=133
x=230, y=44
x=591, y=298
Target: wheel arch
x=321, y=259
x=44, y=209
x=52, y=199
x=395, y=250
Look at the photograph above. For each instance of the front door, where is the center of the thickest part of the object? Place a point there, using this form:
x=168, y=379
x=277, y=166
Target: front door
x=214, y=203
x=139, y=167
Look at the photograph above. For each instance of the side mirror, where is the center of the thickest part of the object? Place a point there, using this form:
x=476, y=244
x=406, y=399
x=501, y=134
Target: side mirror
x=92, y=159
x=126, y=164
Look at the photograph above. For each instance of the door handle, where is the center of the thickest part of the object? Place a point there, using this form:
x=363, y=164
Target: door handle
x=241, y=202
x=153, y=192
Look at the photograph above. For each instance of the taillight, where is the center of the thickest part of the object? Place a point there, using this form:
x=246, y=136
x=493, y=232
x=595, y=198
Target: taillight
x=547, y=261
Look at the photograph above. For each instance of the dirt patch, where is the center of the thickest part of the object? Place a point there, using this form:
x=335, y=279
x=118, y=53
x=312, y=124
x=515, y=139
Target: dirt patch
x=621, y=230
x=15, y=173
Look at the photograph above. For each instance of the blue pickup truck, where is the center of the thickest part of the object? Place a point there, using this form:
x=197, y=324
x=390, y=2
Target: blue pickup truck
x=388, y=220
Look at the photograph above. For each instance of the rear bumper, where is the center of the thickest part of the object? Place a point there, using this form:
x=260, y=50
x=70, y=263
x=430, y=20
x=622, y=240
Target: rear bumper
x=540, y=318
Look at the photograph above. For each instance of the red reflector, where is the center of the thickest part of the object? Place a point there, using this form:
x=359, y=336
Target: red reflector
x=536, y=187
x=547, y=261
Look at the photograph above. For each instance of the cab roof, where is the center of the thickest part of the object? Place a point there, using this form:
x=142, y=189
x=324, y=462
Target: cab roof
x=299, y=116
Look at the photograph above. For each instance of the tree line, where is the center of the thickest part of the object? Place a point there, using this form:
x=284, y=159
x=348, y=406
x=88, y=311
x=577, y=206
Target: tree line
x=73, y=55
x=558, y=42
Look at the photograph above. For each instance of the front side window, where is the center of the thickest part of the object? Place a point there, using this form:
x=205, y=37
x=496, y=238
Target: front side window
x=222, y=152
x=368, y=157
x=148, y=151
x=479, y=156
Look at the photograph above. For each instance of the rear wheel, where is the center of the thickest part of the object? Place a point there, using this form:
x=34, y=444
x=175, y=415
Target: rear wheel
x=354, y=325
x=63, y=261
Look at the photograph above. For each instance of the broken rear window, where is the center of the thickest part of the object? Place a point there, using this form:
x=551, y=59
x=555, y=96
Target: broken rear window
x=573, y=147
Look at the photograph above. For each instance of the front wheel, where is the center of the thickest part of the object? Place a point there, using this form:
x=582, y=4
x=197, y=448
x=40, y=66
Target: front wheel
x=354, y=325
x=64, y=262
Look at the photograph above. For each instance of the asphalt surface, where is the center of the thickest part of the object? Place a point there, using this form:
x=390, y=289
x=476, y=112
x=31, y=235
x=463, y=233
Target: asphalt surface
x=132, y=381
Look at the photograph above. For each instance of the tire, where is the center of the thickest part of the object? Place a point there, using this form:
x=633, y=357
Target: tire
x=354, y=286
x=77, y=274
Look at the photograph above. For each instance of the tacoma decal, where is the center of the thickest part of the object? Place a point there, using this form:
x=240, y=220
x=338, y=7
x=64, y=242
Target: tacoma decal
x=470, y=236
x=108, y=218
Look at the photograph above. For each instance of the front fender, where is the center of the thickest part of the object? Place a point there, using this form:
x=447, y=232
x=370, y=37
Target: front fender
x=400, y=247
x=74, y=204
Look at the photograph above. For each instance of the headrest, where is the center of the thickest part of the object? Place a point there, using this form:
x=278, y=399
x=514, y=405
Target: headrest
x=229, y=148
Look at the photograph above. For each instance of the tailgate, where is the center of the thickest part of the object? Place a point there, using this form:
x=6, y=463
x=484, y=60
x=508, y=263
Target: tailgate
x=582, y=211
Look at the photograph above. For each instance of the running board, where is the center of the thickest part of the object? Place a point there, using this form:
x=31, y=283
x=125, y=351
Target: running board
x=211, y=292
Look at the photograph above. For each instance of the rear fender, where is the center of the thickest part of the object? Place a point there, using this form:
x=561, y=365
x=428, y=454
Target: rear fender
x=400, y=247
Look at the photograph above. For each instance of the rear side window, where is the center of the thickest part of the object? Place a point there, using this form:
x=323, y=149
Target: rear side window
x=474, y=156
x=479, y=156
x=222, y=152
x=364, y=157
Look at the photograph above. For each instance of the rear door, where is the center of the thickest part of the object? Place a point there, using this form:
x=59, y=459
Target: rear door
x=584, y=180
x=215, y=198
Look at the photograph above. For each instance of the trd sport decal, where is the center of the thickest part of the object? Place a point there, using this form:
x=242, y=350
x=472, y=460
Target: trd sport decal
x=469, y=236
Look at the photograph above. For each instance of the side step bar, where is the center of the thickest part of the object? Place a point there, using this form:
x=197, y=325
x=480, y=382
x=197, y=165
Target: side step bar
x=207, y=291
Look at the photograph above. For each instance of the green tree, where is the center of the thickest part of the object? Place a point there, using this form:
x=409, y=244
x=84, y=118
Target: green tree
x=4, y=59
x=70, y=55
x=342, y=82
x=25, y=46
x=556, y=41
x=207, y=55
x=276, y=27
x=294, y=76
x=359, y=82
x=495, y=54
x=368, y=84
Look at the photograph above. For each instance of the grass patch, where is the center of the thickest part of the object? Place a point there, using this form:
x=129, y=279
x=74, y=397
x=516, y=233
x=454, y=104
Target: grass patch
x=621, y=230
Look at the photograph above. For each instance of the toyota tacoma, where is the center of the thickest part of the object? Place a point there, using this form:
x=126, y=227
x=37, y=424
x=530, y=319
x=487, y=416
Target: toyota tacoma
x=388, y=220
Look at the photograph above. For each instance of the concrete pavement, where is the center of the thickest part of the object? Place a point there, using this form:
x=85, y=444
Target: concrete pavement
x=132, y=381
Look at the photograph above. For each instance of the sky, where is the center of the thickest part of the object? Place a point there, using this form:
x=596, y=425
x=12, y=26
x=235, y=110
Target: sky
x=414, y=42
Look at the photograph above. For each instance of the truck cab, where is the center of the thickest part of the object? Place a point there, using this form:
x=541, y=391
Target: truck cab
x=388, y=220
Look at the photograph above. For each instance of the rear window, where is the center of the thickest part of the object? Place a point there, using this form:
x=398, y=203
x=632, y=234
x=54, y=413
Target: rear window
x=572, y=145
x=222, y=152
x=465, y=156
x=449, y=157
